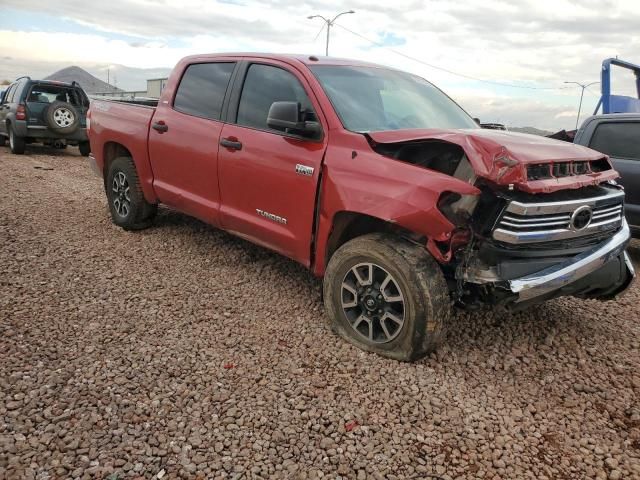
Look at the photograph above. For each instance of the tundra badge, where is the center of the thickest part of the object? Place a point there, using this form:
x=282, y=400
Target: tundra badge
x=271, y=216
x=304, y=170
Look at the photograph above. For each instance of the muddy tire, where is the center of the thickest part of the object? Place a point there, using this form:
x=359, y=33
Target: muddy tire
x=388, y=296
x=16, y=143
x=129, y=209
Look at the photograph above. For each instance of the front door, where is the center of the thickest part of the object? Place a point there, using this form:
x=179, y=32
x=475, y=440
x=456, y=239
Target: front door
x=269, y=178
x=183, y=141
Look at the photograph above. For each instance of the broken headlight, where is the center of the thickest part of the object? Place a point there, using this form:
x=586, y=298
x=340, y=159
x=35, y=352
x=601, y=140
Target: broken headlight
x=457, y=208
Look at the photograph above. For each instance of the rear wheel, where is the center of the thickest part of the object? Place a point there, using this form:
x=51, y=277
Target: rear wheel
x=388, y=296
x=129, y=209
x=16, y=143
x=85, y=149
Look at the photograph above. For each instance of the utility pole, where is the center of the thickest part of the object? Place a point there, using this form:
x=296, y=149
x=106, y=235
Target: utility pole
x=583, y=86
x=329, y=24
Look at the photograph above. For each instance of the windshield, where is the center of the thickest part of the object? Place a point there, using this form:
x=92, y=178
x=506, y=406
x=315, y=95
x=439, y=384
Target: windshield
x=370, y=99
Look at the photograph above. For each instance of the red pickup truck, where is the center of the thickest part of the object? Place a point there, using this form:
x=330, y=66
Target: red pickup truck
x=374, y=179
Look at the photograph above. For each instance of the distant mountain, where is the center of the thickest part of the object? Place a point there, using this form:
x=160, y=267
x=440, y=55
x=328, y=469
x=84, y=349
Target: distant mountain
x=88, y=82
x=530, y=130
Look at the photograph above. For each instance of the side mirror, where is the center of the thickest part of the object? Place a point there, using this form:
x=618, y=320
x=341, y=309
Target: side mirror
x=287, y=116
x=477, y=120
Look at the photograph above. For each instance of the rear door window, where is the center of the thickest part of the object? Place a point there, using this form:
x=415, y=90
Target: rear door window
x=202, y=89
x=618, y=139
x=8, y=98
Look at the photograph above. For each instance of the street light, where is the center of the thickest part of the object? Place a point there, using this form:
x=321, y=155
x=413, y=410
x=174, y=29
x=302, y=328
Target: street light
x=583, y=86
x=329, y=24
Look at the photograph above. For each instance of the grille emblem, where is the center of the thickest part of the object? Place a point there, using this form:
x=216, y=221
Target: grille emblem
x=581, y=218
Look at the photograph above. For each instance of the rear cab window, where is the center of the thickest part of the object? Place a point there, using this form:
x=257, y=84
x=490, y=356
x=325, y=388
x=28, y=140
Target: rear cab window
x=264, y=85
x=203, y=88
x=618, y=139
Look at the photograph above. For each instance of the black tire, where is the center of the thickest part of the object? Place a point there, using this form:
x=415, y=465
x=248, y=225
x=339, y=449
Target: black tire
x=3, y=140
x=62, y=117
x=16, y=143
x=85, y=148
x=426, y=306
x=138, y=213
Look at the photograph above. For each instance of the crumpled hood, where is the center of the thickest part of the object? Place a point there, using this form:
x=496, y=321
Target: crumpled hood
x=502, y=157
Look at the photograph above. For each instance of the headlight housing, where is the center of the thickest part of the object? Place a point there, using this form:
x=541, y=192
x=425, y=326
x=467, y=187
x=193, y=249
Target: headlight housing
x=458, y=208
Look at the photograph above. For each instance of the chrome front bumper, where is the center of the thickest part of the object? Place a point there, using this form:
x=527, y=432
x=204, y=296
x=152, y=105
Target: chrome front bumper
x=554, y=278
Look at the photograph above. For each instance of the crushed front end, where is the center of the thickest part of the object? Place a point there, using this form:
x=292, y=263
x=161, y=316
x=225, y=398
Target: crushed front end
x=528, y=248
x=548, y=220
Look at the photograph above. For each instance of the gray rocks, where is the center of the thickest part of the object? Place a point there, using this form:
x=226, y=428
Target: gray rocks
x=183, y=352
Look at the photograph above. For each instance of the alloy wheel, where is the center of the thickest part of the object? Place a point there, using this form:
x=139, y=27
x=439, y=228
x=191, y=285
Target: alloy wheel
x=373, y=302
x=63, y=117
x=121, y=199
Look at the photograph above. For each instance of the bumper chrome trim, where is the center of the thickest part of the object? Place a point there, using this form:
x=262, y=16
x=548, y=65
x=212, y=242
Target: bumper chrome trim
x=573, y=269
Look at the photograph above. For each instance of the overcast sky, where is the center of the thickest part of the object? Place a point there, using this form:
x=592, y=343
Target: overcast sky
x=528, y=43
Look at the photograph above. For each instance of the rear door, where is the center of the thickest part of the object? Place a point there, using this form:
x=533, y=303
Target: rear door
x=621, y=141
x=183, y=141
x=269, y=178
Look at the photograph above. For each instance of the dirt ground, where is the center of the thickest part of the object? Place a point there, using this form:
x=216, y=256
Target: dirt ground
x=181, y=351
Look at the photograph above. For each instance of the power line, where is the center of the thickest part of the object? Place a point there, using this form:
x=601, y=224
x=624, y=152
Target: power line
x=451, y=72
x=319, y=32
x=597, y=94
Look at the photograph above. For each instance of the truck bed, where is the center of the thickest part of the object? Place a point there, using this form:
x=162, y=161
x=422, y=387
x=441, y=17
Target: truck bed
x=142, y=101
x=127, y=124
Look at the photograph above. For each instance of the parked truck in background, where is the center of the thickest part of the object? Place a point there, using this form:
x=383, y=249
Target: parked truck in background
x=614, y=129
x=375, y=180
x=618, y=135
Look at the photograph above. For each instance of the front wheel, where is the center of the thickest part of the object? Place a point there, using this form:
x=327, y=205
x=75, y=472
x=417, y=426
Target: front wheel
x=388, y=296
x=129, y=209
x=16, y=143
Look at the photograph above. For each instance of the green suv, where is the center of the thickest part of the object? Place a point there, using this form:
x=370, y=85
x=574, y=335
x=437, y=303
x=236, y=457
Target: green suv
x=41, y=111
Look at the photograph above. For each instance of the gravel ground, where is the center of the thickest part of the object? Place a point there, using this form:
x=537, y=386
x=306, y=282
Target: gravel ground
x=181, y=351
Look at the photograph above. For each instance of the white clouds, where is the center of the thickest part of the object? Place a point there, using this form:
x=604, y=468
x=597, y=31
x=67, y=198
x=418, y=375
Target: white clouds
x=86, y=48
x=532, y=42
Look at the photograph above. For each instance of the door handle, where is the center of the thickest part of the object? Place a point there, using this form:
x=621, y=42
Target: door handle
x=160, y=126
x=231, y=144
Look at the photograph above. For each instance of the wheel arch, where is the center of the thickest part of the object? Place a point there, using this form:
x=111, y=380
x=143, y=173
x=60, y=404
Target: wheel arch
x=112, y=150
x=347, y=225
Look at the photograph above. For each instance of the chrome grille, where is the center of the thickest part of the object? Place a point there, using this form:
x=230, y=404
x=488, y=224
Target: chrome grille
x=523, y=223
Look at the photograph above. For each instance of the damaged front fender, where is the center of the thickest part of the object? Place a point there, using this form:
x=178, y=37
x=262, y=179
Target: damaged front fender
x=360, y=180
